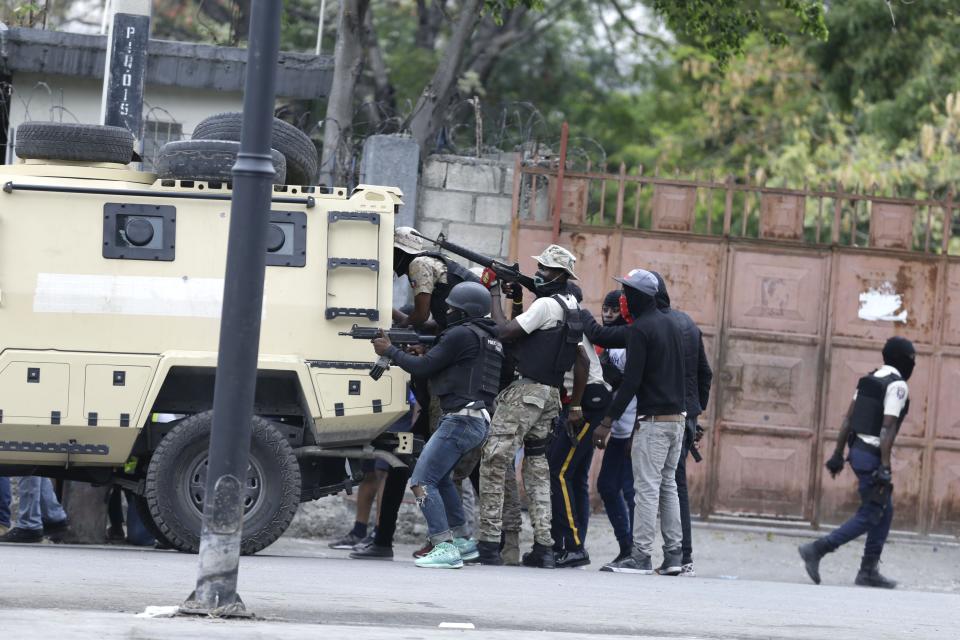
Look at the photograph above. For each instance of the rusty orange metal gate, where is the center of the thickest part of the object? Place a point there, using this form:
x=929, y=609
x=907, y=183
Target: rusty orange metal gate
x=795, y=291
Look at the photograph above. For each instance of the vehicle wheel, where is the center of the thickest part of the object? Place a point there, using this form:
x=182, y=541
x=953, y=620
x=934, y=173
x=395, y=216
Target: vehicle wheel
x=143, y=510
x=76, y=142
x=303, y=162
x=177, y=476
x=208, y=160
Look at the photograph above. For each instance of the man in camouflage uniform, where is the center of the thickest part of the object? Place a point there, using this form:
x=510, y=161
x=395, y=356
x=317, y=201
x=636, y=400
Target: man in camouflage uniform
x=527, y=408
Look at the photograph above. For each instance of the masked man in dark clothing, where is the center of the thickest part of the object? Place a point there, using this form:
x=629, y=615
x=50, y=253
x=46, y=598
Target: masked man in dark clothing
x=654, y=375
x=697, y=376
x=464, y=371
x=879, y=407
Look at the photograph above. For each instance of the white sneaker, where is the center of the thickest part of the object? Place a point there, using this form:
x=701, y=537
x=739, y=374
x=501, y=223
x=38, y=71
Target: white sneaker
x=686, y=571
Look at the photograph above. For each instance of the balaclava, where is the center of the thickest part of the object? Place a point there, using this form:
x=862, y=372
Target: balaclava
x=900, y=354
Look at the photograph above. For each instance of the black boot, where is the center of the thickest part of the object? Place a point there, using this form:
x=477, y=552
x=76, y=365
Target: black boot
x=540, y=556
x=489, y=553
x=869, y=575
x=812, y=553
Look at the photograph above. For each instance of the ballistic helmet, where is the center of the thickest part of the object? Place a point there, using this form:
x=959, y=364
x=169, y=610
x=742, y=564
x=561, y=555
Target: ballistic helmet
x=472, y=298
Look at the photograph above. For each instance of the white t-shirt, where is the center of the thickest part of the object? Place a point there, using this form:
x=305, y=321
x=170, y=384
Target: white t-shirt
x=545, y=313
x=893, y=402
x=623, y=427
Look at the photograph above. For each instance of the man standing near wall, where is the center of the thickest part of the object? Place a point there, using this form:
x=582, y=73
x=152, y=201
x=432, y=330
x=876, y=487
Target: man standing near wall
x=653, y=373
x=697, y=379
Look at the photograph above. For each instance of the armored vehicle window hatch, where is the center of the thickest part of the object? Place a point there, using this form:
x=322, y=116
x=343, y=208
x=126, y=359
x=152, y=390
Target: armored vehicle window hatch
x=139, y=231
x=287, y=239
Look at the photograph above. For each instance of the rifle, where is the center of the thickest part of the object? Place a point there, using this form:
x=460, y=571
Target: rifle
x=505, y=272
x=398, y=336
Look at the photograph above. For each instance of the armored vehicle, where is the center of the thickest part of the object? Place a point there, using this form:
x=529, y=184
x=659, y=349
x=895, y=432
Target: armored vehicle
x=111, y=283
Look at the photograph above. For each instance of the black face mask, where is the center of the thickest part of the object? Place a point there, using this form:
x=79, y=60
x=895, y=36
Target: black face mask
x=637, y=302
x=546, y=287
x=401, y=261
x=455, y=316
x=900, y=354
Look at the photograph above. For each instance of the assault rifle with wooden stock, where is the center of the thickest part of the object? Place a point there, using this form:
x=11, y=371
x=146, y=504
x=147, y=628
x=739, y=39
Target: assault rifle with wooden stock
x=505, y=272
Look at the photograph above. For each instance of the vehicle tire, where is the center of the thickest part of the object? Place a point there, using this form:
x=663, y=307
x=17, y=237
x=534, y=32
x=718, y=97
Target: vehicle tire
x=75, y=142
x=303, y=162
x=143, y=510
x=207, y=160
x=176, y=484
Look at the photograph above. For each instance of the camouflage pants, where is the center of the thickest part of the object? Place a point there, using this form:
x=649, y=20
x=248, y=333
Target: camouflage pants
x=524, y=410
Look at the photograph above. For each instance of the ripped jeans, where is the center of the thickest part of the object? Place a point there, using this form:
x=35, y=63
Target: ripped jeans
x=440, y=504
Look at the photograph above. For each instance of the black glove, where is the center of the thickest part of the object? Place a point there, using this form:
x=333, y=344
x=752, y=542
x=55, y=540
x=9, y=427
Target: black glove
x=835, y=464
x=882, y=475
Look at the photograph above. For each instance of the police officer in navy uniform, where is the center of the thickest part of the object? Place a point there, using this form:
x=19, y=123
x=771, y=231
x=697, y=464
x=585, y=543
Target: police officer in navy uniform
x=879, y=406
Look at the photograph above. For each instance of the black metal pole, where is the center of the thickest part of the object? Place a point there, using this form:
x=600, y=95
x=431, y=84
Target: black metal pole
x=216, y=590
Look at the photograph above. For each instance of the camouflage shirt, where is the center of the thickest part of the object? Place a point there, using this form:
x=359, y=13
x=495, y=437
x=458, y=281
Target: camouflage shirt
x=424, y=274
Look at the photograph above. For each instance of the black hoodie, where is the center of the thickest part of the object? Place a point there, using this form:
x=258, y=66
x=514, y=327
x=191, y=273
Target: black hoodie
x=653, y=371
x=697, y=373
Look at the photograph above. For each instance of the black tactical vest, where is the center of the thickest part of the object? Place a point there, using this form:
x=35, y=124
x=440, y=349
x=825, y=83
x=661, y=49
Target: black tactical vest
x=867, y=416
x=456, y=273
x=547, y=354
x=464, y=383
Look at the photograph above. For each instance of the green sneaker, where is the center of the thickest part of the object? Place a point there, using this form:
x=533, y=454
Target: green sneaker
x=467, y=548
x=443, y=556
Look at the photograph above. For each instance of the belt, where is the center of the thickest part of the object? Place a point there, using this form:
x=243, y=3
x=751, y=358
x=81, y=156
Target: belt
x=865, y=446
x=675, y=417
x=472, y=413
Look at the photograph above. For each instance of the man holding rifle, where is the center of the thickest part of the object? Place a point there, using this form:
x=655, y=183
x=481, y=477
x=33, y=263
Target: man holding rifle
x=545, y=340
x=463, y=368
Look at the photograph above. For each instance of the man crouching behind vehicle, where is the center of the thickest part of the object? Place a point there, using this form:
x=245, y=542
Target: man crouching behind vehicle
x=464, y=371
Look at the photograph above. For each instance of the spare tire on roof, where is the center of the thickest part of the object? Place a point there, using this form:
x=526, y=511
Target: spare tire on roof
x=303, y=162
x=74, y=142
x=207, y=160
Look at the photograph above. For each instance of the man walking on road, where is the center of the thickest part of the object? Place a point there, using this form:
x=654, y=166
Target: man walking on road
x=879, y=406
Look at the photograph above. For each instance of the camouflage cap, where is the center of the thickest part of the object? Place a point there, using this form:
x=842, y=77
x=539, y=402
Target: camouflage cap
x=641, y=280
x=556, y=257
x=404, y=240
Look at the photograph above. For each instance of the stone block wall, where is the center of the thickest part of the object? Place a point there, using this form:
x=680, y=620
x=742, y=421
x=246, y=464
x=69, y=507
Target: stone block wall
x=468, y=200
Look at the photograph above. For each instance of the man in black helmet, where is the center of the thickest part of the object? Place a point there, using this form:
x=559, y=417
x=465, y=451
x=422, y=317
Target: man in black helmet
x=464, y=371
x=879, y=406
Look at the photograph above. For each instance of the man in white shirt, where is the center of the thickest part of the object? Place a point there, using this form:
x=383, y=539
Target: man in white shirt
x=545, y=341
x=879, y=407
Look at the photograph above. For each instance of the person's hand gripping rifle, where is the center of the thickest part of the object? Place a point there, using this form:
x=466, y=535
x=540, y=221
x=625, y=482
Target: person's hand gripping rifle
x=382, y=340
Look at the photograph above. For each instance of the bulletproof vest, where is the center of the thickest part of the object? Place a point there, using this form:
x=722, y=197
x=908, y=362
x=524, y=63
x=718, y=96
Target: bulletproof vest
x=456, y=273
x=547, y=354
x=459, y=385
x=867, y=416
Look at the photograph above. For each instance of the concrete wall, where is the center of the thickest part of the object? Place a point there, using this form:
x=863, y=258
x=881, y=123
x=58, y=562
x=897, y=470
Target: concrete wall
x=469, y=200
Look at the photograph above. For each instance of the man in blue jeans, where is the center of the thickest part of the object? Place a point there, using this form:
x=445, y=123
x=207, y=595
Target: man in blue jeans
x=39, y=514
x=879, y=406
x=464, y=371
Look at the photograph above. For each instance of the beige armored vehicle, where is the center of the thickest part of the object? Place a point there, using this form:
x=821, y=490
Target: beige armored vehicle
x=111, y=283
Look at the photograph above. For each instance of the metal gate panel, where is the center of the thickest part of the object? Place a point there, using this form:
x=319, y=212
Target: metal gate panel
x=848, y=365
x=762, y=473
x=593, y=276
x=948, y=423
x=690, y=268
x=897, y=294
x=782, y=293
x=945, y=498
x=769, y=384
x=951, y=320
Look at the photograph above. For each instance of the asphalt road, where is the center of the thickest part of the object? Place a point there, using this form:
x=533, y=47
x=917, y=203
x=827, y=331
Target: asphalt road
x=301, y=590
